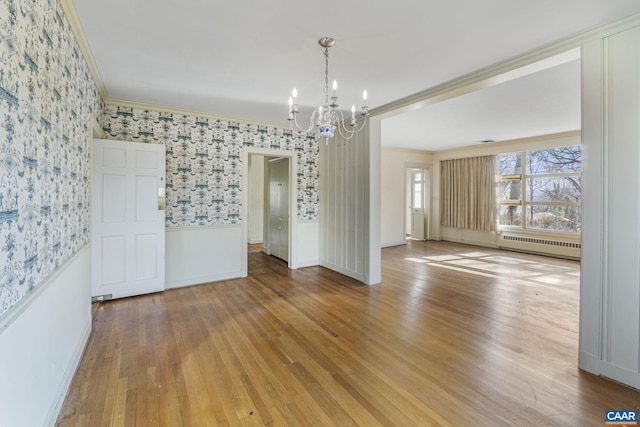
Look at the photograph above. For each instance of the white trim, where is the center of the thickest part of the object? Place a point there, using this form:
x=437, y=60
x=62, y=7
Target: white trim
x=619, y=374
x=513, y=145
x=95, y=129
x=200, y=227
x=308, y=221
x=9, y=316
x=308, y=263
x=391, y=244
x=470, y=242
x=406, y=150
x=293, y=196
x=373, y=203
x=190, y=112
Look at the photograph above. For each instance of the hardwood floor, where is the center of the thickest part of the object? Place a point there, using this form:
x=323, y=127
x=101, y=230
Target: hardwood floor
x=454, y=336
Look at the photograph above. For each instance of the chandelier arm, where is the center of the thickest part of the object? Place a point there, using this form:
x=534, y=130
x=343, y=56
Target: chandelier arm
x=349, y=135
x=364, y=123
x=342, y=129
x=300, y=128
x=351, y=132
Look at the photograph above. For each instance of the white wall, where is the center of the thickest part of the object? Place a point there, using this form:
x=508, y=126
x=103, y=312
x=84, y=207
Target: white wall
x=610, y=279
x=256, y=198
x=485, y=238
x=393, y=191
x=41, y=342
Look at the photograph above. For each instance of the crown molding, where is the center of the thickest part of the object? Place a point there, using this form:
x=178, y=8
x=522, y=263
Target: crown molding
x=509, y=143
x=189, y=112
x=490, y=146
x=69, y=9
x=485, y=77
x=407, y=150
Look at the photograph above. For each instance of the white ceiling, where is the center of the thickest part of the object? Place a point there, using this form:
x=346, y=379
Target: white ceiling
x=541, y=103
x=242, y=58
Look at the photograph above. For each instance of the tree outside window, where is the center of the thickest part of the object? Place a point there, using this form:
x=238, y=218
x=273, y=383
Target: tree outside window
x=551, y=184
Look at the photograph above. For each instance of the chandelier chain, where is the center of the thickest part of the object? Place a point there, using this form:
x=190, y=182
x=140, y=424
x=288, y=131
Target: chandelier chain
x=326, y=75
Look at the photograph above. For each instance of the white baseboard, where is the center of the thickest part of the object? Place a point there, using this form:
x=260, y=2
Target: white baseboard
x=202, y=280
x=589, y=363
x=621, y=375
x=308, y=263
x=398, y=243
x=471, y=242
x=344, y=271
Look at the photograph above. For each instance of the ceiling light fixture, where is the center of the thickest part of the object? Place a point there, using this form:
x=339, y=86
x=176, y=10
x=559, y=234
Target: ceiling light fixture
x=328, y=117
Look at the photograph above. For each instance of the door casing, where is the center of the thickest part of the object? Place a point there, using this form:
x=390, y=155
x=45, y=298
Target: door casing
x=426, y=170
x=293, y=191
x=278, y=216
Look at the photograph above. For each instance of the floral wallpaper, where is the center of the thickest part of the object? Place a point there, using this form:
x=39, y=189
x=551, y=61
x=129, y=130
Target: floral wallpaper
x=204, y=161
x=47, y=96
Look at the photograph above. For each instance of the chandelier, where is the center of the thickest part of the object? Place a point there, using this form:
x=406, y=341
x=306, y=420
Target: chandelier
x=327, y=117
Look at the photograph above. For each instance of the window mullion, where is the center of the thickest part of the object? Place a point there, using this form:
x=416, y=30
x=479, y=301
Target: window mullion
x=523, y=191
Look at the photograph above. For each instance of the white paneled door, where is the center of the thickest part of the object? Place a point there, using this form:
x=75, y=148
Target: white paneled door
x=417, y=204
x=127, y=218
x=279, y=208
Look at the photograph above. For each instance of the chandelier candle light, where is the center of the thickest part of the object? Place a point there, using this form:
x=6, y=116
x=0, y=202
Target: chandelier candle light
x=328, y=117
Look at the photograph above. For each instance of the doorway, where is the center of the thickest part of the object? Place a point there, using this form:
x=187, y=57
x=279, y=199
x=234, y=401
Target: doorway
x=277, y=198
x=269, y=205
x=417, y=213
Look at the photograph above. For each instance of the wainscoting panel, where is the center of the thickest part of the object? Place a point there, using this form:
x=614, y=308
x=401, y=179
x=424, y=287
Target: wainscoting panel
x=202, y=254
x=42, y=339
x=308, y=244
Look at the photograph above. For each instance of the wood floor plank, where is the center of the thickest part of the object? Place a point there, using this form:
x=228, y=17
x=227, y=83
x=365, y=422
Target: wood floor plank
x=454, y=335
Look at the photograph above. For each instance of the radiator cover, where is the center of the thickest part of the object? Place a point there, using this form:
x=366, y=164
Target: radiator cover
x=543, y=245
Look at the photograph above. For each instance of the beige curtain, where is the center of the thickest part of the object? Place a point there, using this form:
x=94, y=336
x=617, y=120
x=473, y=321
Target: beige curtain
x=468, y=193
